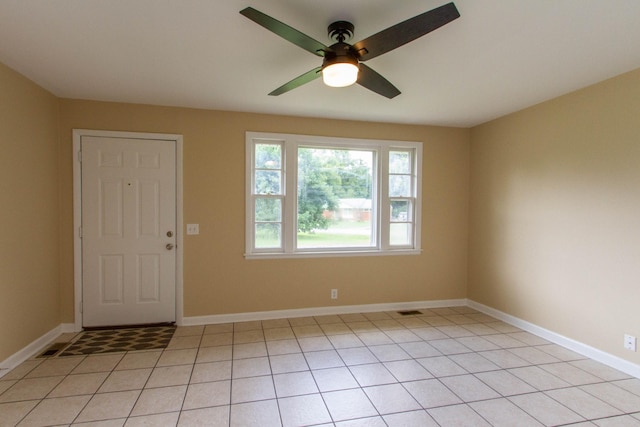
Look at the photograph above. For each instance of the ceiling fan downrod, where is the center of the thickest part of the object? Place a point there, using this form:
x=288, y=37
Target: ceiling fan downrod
x=340, y=31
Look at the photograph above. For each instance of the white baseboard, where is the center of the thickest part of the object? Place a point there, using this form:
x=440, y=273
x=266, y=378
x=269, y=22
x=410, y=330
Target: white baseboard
x=581, y=348
x=318, y=311
x=32, y=349
x=29, y=351
x=68, y=328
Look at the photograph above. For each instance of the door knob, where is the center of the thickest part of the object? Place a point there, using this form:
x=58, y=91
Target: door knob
x=169, y=246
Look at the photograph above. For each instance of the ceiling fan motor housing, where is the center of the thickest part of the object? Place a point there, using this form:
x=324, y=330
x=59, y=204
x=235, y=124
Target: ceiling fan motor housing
x=339, y=53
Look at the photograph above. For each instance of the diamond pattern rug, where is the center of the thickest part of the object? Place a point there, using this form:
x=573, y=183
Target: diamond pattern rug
x=112, y=340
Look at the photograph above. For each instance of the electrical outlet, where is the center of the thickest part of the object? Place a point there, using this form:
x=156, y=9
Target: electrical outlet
x=334, y=294
x=630, y=342
x=193, y=228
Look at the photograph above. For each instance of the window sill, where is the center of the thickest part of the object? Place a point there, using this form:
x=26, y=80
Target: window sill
x=332, y=254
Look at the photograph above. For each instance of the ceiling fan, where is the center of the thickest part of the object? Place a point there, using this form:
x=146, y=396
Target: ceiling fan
x=343, y=62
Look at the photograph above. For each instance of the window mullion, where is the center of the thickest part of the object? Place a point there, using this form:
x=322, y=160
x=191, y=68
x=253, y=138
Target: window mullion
x=417, y=195
x=290, y=196
x=384, y=203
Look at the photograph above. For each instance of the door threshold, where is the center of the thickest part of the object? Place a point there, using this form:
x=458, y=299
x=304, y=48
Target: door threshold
x=140, y=325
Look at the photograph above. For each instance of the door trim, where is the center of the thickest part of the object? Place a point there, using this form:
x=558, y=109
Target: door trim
x=77, y=214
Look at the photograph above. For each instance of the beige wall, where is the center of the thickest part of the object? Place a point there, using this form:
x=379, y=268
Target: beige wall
x=29, y=256
x=217, y=278
x=555, y=214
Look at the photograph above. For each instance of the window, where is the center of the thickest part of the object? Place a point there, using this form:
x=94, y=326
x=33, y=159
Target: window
x=321, y=196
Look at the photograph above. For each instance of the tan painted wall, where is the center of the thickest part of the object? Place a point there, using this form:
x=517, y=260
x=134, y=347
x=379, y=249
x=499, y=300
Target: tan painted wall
x=555, y=214
x=217, y=278
x=29, y=257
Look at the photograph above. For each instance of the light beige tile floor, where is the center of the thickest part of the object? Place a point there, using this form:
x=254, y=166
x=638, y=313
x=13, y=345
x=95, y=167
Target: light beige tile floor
x=445, y=367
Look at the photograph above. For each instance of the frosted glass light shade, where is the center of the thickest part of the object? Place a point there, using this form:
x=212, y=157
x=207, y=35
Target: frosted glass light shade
x=340, y=74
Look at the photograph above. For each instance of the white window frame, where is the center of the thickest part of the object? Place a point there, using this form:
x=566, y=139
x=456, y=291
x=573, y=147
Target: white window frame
x=380, y=191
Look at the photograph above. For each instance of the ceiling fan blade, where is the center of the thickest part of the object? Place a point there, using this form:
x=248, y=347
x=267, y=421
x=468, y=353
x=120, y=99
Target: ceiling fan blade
x=286, y=32
x=305, y=78
x=406, y=31
x=375, y=82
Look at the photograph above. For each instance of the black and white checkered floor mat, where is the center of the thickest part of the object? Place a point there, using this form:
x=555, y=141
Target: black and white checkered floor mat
x=112, y=340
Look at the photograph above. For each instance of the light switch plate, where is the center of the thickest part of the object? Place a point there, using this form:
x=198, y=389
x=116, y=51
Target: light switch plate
x=193, y=229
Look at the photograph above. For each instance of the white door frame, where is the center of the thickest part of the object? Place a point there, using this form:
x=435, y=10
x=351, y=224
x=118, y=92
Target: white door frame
x=77, y=214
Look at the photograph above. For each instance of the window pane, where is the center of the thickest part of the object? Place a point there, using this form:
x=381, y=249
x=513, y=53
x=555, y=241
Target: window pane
x=399, y=162
x=268, y=156
x=400, y=186
x=340, y=234
x=268, y=182
x=401, y=211
x=400, y=234
x=268, y=210
x=268, y=235
x=334, y=198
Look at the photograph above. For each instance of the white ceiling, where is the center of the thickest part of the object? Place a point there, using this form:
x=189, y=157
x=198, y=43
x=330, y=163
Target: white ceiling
x=500, y=56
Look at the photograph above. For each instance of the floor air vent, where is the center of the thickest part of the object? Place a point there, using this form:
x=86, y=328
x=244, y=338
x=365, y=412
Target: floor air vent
x=409, y=312
x=54, y=349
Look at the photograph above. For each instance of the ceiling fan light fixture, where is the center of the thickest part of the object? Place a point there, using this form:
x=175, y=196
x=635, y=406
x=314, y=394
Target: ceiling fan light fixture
x=340, y=75
x=340, y=71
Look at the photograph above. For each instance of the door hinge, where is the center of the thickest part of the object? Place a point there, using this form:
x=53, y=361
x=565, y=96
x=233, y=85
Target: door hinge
x=80, y=156
x=80, y=232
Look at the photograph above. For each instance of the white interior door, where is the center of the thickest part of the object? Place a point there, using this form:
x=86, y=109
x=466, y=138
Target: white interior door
x=128, y=231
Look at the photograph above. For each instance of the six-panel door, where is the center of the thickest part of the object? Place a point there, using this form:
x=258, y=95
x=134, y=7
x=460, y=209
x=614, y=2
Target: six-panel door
x=128, y=231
